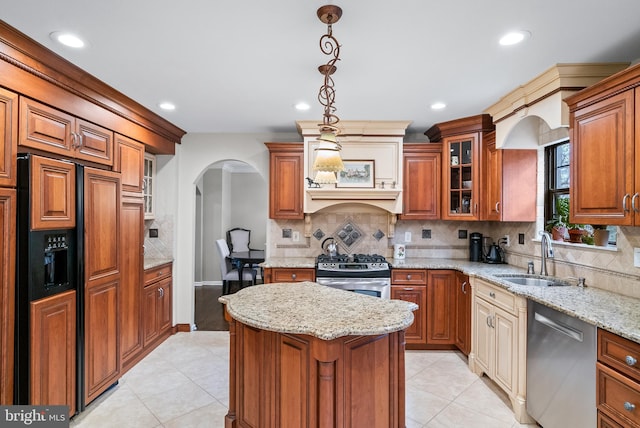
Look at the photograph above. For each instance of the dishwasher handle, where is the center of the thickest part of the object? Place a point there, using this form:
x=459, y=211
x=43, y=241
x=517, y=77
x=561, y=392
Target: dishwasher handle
x=559, y=327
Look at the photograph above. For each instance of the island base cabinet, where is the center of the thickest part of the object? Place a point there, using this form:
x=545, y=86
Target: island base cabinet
x=292, y=381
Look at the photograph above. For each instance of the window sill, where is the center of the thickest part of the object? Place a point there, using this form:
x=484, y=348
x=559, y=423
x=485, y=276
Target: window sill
x=609, y=248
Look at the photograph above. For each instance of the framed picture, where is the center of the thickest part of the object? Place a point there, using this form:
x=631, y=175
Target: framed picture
x=357, y=173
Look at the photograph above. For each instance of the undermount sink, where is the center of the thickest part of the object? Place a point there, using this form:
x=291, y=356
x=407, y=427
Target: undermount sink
x=532, y=280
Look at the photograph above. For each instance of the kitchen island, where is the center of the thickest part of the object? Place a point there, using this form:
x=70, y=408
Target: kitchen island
x=305, y=355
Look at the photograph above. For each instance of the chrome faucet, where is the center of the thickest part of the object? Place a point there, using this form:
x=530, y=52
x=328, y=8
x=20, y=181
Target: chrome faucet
x=546, y=250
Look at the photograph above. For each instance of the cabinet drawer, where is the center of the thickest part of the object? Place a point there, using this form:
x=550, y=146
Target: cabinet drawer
x=157, y=273
x=409, y=276
x=618, y=396
x=620, y=353
x=293, y=275
x=497, y=296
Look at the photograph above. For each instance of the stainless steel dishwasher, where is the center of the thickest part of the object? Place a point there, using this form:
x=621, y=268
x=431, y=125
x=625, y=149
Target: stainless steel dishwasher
x=561, y=369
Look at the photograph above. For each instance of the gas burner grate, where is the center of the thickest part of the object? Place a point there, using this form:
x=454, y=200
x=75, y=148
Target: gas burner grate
x=369, y=258
x=340, y=258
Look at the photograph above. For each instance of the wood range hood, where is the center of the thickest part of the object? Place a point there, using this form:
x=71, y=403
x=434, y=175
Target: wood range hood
x=377, y=141
x=535, y=114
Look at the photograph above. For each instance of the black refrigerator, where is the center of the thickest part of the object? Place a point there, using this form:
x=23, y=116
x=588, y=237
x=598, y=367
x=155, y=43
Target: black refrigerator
x=49, y=339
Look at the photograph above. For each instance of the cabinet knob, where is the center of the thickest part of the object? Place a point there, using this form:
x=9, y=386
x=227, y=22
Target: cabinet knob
x=293, y=276
x=492, y=294
x=159, y=273
x=408, y=276
x=629, y=407
x=630, y=360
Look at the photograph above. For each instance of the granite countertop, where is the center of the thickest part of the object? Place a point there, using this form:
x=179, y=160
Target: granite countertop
x=611, y=311
x=317, y=310
x=153, y=262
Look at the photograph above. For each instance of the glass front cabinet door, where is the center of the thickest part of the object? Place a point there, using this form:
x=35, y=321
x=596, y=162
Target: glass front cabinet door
x=462, y=177
x=148, y=183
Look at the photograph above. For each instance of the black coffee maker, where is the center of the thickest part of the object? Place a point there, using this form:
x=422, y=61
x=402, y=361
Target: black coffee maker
x=475, y=247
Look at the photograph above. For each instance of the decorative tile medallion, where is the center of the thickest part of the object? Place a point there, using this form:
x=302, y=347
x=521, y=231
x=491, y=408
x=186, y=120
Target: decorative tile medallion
x=318, y=234
x=378, y=235
x=349, y=234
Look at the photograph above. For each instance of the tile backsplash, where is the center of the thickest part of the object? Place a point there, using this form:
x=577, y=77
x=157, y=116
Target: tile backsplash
x=162, y=246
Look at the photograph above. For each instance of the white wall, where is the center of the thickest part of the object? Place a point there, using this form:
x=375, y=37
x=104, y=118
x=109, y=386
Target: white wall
x=177, y=180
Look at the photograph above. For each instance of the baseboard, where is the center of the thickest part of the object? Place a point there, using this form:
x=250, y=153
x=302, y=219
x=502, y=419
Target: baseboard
x=182, y=328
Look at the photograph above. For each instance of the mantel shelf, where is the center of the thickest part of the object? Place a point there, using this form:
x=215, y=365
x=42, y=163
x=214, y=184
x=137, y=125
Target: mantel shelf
x=353, y=194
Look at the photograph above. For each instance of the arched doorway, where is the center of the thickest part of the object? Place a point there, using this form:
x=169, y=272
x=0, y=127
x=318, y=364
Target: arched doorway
x=229, y=193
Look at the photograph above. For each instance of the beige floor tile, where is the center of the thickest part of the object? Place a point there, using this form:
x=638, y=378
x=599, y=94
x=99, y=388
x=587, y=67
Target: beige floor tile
x=457, y=416
x=422, y=406
x=177, y=402
x=210, y=416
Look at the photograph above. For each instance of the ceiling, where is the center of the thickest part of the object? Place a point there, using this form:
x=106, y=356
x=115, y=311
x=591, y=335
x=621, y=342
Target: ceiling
x=242, y=65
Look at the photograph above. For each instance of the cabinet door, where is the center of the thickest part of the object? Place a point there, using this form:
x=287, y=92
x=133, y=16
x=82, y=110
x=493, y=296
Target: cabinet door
x=53, y=351
x=102, y=280
x=129, y=162
x=505, y=328
x=463, y=313
x=286, y=181
x=8, y=137
x=53, y=194
x=95, y=143
x=101, y=338
x=492, y=174
x=441, y=307
x=131, y=244
x=483, y=337
x=149, y=186
x=519, y=185
x=602, y=156
x=151, y=294
x=417, y=332
x=164, y=306
x=7, y=292
x=461, y=177
x=45, y=128
x=421, y=185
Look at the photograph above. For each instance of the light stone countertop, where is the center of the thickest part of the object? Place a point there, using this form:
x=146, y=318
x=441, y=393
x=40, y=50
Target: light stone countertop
x=153, y=262
x=317, y=310
x=613, y=312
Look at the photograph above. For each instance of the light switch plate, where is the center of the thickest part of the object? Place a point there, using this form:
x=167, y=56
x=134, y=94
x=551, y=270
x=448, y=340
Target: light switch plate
x=636, y=257
x=407, y=237
x=296, y=236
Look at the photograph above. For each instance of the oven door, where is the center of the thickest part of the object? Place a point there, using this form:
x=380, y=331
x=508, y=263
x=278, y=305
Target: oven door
x=377, y=287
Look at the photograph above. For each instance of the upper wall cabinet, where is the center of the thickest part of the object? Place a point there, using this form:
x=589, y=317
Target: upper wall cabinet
x=285, y=180
x=605, y=151
x=8, y=137
x=54, y=131
x=149, y=186
x=509, y=182
x=421, y=185
x=129, y=161
x=462, y=140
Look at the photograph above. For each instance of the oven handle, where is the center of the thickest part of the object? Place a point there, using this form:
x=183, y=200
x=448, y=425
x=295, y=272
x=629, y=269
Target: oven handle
x=376, y=282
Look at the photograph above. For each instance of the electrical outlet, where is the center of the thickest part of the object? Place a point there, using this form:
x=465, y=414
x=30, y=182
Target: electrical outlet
x=507, y=240
x=153, y=233
x=636, y=257
x=521, y=238
x=462, y=234
x=286, y=233
x=295, y=236
x=426, y=233
x=407, y=237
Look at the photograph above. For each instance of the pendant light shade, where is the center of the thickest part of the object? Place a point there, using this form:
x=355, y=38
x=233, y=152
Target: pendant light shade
x=325, y=177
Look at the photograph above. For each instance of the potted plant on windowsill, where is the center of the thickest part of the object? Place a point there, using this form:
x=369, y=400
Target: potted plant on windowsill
x=600, y=235
x=558, y=225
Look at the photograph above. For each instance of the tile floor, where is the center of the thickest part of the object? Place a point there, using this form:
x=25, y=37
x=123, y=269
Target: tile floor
x=184, y=383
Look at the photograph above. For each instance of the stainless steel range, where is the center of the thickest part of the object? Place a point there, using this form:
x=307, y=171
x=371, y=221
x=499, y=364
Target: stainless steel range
x=361, y=273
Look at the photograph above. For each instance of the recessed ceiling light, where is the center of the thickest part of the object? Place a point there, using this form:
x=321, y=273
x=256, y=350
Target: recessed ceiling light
x=167, y=106
x=514, y=37
x=67, y=39
x=438, y=106
x=302, y=106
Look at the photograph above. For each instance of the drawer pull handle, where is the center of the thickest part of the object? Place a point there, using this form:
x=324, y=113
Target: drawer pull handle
x=630, y=360
x=492, y=294
x=463, y=287
x=629, y=407
x=408, y=288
